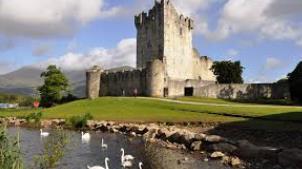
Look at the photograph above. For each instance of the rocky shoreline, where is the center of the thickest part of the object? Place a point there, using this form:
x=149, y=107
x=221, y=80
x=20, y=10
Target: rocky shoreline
x=235, y=153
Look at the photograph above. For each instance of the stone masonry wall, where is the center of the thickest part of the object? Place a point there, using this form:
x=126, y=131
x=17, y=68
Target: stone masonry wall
x=123, y=83
x=244, y=91
x=178, y=47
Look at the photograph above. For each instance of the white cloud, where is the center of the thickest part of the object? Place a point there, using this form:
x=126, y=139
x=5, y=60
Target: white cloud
x=260, y=17
x=272, y=63
x=123, y=55
x=49, y=18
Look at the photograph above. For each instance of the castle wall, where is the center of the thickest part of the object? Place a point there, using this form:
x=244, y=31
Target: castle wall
x=201, y=67
x=244, y=91
x=123, y=83
x=150, y=35
x=177, y=87
x=178, y=49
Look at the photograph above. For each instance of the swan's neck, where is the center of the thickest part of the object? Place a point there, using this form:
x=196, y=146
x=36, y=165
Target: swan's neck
x=140, y=166
x=106, y=164
x=102, y=142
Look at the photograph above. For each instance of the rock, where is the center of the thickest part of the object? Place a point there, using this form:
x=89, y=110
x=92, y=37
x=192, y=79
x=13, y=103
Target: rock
x=247, y=150
x=196, y=145
x=235, y=161
x=174, y=138
x=222, y=147
x=217, y=154
x=214, y=139
x=102, y=128
x=290, y=158
x=199, y=137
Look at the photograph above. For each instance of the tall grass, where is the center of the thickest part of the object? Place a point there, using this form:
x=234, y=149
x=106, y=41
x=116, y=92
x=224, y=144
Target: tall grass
x=53, y=151
x=10, y=152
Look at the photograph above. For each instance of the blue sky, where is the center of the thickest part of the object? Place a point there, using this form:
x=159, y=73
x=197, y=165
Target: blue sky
x=265, y=35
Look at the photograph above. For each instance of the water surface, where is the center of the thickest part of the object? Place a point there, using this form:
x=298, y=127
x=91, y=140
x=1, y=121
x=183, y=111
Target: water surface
x=78, y=154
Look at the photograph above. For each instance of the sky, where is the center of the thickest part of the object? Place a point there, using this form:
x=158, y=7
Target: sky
x=265, y=35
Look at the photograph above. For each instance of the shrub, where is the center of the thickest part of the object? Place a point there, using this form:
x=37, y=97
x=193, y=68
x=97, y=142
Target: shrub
x=53, y=151
x=80, y=121
x=34, y=117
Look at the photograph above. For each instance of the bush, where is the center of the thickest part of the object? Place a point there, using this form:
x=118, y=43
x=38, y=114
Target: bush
x=53, y=151
x=34, y=117
x=80, y=121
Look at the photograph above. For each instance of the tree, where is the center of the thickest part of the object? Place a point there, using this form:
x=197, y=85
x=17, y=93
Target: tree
x=228, y=71
x=55, y=84
x=295, y=83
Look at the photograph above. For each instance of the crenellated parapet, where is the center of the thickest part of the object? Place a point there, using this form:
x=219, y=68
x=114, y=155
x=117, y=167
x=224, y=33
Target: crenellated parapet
x=158, y=11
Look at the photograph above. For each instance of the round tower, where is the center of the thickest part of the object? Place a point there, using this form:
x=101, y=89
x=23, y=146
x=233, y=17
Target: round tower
x=155, y=78
x=93, y=82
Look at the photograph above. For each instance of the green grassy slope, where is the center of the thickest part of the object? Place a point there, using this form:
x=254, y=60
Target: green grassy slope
x=146, y=110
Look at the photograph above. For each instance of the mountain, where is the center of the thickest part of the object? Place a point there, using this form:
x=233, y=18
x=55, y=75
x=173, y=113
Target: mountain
x=27, y=79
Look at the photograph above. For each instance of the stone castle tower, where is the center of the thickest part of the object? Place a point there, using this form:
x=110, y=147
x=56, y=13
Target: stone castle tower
x=164, y=34
x=167, y=63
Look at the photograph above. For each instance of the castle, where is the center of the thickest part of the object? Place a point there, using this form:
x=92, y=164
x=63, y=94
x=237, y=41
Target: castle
x=167, y=63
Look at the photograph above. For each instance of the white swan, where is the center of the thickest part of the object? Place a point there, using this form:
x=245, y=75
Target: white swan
x=43, y=134
x=100, y=167
x=126, y=157
x=85, y=136
x=104, y=146
x=126, y=164
x=140, y=165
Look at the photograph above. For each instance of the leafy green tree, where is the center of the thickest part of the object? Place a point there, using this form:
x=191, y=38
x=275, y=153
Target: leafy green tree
x=295, y=83
x=55, y=86
x=228, y=71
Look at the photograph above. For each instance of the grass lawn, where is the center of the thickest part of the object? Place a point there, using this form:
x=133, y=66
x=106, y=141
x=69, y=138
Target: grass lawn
x=152, y=110
x=237, y=102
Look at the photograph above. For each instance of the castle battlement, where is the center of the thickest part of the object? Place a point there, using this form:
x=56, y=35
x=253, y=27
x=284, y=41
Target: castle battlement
x=157, y=13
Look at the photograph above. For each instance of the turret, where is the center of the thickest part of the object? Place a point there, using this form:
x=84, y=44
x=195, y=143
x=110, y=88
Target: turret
x=93, y=82
x=155, y=81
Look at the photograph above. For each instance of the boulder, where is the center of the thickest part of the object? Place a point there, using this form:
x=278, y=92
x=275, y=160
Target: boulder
x=217, y=154
x=214, y=139
x=175, y=138
x=247, y=150
x=291, y=158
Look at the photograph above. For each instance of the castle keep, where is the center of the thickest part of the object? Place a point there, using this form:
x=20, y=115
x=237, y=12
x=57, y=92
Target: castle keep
x=167, y=63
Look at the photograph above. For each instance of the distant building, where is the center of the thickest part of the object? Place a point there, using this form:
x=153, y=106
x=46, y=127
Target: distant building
x=8, y=105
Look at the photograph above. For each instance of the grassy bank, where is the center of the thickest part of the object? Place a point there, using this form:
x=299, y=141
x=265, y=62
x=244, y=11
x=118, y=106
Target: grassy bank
x=144, y=109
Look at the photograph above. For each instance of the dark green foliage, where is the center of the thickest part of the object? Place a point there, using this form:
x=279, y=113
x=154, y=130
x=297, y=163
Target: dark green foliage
x=53, y=152
x=34, y=117
x=80, y=121
x=68, y=98
x=55, y=85
x=295, y=83
x=228, y=71
x=24, y=101
x=10, y=152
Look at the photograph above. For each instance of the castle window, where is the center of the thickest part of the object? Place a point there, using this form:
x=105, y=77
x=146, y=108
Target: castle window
x=180, y=31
